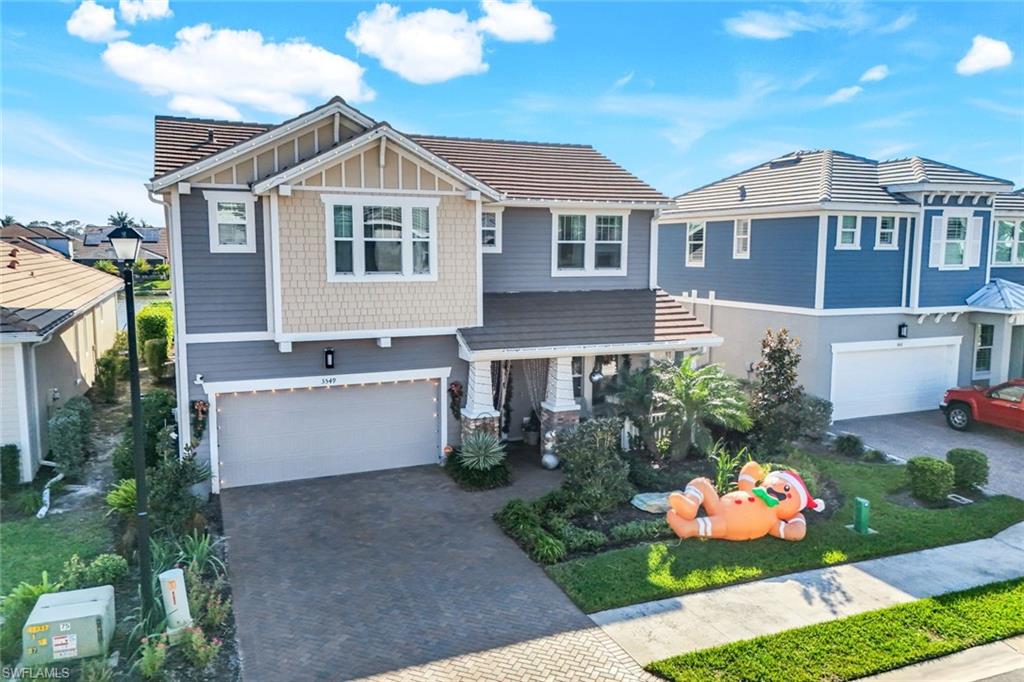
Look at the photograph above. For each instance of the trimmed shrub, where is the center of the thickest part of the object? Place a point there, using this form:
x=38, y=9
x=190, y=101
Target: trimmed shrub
x=576, y=538
x=108, y=372
x=155, y=321
x=67, y=441
x=596, y=475
x=876, y=456
x=106, y=569
x=157, y=412
x=476, y=479
x=172, y=505
x=815, y=416
x=155, y=355
x=849, y=445
x=970, y=467
x=522, y=523
x=10, y=466
x=930, y=479
x=81, y=406
x=632, y=531
x=481, y=451
x=28, y=500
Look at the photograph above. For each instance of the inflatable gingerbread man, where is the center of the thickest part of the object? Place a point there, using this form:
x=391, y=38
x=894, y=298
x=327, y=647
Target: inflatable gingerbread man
x=753, y=511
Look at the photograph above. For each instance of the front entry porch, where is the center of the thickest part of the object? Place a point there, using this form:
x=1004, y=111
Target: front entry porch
x=998, y=318
x=543, y=361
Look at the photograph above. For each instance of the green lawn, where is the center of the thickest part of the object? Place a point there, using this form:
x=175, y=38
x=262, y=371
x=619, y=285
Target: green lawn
x=864, y=644
x=154, y=285
x=664, y=569
x=31, y=546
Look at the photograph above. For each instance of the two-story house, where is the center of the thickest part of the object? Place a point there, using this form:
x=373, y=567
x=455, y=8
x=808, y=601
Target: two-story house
x=334, y=278
x=901, y=278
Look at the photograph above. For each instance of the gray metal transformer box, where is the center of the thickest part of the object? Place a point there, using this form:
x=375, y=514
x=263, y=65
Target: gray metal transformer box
x=69, y=625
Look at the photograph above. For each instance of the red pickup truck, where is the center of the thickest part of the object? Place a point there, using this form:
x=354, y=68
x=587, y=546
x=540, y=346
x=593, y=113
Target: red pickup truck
x=1001, y=405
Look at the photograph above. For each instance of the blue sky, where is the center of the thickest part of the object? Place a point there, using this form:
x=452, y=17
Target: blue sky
x=679, y=93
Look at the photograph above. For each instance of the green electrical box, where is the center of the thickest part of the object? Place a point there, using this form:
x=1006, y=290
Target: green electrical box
x=69, y=625
x=861, y=517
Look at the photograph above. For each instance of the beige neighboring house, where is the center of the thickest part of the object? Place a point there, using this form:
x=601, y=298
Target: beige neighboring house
x=56, y=318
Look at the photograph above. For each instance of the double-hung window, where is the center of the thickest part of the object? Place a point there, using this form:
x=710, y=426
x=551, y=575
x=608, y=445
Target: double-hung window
x=887, y=233
x=490, y=229
x=381, y=238
x=954, y=250
x=741, y=238
x=1009, y=243
x=232, y=221
x=589, y=243
x=955, y=241
x=983, y=335
x=848, y=232
x=696, y=234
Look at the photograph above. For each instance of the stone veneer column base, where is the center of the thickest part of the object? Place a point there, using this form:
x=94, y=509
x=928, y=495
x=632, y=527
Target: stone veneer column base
x=557, y=421
x=486, y=423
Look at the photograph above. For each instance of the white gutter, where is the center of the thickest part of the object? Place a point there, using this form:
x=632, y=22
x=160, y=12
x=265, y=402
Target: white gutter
x=675, y=215
x=470, y=355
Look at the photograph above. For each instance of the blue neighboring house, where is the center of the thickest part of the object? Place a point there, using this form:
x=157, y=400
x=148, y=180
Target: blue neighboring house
x=901, y=278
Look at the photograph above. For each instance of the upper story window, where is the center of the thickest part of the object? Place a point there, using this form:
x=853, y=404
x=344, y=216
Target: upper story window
x=849, y=232
x=1009, y=243
x=955, y=241
x=589, y=243
x=741, y=238
x=232, y=222
x=381, y=238
x=490, y=229
x=695, y=237
x=887, y=233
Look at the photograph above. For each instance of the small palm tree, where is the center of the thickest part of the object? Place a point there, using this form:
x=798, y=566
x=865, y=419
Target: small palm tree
x=634, y=399
x=8, y=220
x=694, y=397
x=121, y=219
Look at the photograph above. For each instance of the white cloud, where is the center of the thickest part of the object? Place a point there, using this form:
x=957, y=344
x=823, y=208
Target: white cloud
x=516, y=22
x=622, y=81
x=766, y=25
x=430, y=46
x=898, y=24
x=892, y=121
x=985, y=54
x=875, y=73
x=133, y=11
x=999, y=107
x=210, y=72
x=844, y=94
x=891, y=151
x=84, y=194
x=94, y=23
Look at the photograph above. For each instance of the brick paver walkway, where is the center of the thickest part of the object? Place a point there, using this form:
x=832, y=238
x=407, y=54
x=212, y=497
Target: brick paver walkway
x=399, y=575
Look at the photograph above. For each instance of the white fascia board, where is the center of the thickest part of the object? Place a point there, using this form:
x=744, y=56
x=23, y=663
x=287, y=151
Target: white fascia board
x=784, y=211
x=383, y=132
x=253, y=385
x=889, y=344
x=21, y=337
x=965, y=188
x=591, y=349
x=363, y=334
x=262, y=139
x=585, y=204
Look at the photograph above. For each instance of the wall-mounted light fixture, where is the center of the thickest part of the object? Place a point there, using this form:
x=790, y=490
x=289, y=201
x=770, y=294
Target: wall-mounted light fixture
x=902, y=330
x=329, y=358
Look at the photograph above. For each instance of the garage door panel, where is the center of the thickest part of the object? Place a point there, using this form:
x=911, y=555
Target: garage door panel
x=292, y=434
x=892, y=380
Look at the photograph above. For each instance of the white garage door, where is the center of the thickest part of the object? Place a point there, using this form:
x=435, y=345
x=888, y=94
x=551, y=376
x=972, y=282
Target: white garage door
x=889, y=377
x=284, y=435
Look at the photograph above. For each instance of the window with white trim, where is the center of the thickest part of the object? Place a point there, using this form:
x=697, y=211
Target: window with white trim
x=741, y=238
x=848, y=228
x=490, y=230
x=955, y=240
x=381, y=238
x=954, y=251
x=983, y=335
x=695, y=241
x=232, y=222
x=589, y=243
x=1009, y=242
x=887, y=233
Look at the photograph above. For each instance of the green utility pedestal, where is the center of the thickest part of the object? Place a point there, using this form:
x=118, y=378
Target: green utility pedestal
x=861, y=514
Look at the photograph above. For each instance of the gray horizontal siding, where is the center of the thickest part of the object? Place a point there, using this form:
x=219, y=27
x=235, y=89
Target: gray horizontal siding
x=524, y=263
x=224, y=292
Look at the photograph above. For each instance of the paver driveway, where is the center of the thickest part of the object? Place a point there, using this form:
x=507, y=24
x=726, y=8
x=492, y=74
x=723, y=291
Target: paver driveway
x=401, y=575
x=926, y=433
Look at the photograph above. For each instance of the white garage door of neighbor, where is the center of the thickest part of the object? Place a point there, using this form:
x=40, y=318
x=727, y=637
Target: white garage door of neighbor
x=868, y=380
x=285, y=435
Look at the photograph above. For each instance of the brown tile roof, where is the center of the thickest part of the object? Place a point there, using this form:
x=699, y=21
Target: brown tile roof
x=553, y=319
x=538, y=170
x=31, y=232
x=28, y=244
x=44, y=290
x=522, y=170
x=180, y=141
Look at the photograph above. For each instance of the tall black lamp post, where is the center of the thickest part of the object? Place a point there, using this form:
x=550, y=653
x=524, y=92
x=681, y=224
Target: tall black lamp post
x=126, y=242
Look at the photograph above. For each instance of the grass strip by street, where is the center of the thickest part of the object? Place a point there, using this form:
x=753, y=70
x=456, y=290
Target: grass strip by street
x=864, y=644
x=30, y=546
x=665, y=569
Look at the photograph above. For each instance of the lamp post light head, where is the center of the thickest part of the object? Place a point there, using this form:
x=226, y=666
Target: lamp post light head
x=126, y=242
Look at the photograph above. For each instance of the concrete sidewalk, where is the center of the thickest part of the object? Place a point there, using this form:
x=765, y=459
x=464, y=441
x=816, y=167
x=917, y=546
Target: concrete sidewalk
x=656, y=630
x=999, y=660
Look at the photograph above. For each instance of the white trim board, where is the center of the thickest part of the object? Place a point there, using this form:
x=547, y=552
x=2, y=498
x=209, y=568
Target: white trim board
x=786, y=211
x=229, y=337
x=592, y=349
x=824, y=312
x=889, y=344
x=365, y=334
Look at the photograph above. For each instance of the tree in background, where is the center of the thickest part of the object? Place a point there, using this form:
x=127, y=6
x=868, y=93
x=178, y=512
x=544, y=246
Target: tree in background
x=8, y=220
x=107, y=267
x=121, y=219
x=774, y=391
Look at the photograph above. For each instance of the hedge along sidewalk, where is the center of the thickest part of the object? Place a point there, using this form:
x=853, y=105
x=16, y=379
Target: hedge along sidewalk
x=863, y=644
x=670, y=627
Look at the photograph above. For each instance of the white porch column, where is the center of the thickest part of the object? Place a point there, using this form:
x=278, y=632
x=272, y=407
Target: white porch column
x=479, y=400
x=1002, y=344
x=559, y=396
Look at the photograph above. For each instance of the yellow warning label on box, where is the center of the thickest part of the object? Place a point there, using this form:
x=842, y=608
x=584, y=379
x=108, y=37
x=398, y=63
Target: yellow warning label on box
x=32, y=629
